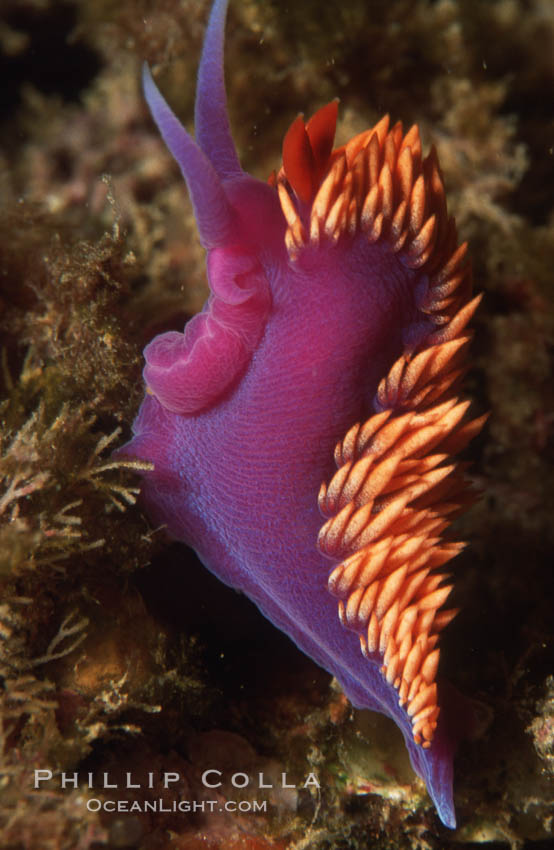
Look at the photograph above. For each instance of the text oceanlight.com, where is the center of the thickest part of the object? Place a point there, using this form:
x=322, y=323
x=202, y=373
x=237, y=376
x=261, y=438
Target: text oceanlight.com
x=173, y=806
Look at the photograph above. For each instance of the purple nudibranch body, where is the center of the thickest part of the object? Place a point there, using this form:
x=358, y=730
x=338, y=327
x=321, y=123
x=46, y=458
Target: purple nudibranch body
x=244, y=408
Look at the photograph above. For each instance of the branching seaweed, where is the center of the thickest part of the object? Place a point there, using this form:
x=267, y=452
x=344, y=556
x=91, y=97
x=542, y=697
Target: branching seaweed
x=49, y=493
x=119, y=494
x=29, y=735
x=62, y=541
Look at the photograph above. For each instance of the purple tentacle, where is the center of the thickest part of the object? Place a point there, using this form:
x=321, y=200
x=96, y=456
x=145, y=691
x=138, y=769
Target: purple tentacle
x=211, y=122
x=212, y=210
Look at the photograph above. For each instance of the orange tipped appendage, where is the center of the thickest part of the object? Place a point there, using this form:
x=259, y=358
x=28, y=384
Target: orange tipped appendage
x=389, y=503
x=307, y=148
x=396, y=488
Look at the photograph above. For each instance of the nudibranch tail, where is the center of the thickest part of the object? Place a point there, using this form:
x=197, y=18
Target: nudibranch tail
x=396, y=488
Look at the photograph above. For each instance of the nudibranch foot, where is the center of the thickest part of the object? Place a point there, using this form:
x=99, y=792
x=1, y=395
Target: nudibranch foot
x=331, y=349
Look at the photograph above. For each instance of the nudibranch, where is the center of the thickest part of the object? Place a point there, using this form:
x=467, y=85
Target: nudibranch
x=330, y=349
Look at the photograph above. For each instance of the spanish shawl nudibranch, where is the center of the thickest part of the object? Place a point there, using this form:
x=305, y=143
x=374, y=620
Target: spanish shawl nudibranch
x=330, y=350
